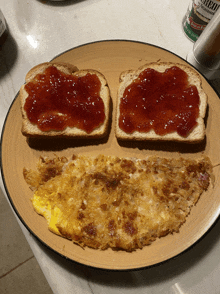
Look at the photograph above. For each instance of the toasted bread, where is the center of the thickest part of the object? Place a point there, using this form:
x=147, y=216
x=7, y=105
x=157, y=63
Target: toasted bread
x=196, y=134
x=32, y=130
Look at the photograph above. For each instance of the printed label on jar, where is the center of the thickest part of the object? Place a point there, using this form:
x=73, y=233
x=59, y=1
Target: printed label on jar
x=197, y=17
x=206, y=8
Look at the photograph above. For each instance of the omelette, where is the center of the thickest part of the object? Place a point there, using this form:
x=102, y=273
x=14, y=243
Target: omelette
x=120, y=203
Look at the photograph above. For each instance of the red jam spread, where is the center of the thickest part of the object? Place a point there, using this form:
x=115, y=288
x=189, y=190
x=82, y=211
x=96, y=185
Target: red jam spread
x=163, y=102
x=57, y=100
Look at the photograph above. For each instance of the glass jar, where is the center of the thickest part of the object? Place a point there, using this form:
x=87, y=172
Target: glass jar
x=198, y=15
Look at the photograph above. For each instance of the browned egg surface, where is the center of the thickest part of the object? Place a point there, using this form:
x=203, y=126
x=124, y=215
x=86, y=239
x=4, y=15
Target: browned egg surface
x=122, y=203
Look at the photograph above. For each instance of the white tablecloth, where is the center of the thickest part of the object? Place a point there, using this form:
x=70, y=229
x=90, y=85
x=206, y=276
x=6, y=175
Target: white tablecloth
x=40, y=30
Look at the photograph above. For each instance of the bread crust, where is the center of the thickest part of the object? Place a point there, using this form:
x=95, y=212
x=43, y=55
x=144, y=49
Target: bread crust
x=196, y=135
x=30, y=130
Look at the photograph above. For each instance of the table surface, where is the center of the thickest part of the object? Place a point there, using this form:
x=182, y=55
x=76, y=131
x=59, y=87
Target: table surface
x=40, y=30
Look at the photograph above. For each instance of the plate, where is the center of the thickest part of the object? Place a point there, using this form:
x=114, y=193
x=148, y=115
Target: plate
x=17, y=152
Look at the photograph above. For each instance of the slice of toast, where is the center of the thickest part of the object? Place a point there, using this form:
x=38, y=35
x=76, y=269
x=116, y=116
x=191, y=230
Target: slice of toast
x=32, y=130
x=197, y=134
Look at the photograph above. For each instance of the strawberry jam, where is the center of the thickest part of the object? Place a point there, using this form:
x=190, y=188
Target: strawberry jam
x=163, y=102
x=57, y=100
